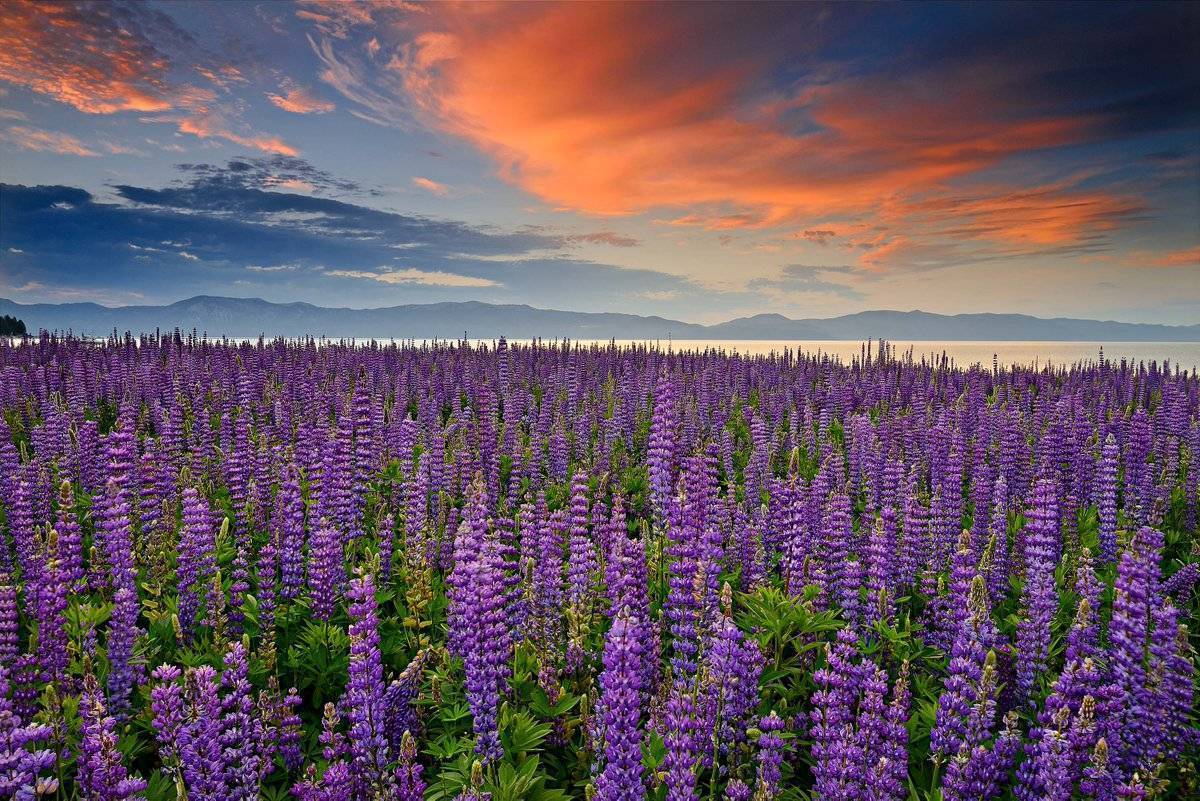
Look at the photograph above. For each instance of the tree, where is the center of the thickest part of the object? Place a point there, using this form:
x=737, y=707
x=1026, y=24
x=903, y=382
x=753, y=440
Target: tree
x=11, y=326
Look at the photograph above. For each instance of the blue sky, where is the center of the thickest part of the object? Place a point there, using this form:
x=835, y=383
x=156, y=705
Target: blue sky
x=808, y=159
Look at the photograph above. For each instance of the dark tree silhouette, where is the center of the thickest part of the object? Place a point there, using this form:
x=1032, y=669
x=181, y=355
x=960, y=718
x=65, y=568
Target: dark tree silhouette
x=11, y=326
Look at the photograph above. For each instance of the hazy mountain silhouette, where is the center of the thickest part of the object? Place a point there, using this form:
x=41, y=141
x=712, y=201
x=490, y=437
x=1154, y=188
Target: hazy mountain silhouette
x=250, y=317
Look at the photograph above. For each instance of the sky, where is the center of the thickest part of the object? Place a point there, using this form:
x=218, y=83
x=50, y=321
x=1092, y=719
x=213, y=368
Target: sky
x=696, y=161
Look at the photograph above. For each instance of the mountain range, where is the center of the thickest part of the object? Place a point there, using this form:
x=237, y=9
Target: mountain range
x=250, y=317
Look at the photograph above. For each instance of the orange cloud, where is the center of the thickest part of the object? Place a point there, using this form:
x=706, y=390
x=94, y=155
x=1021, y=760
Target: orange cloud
x=101, y=59
x=1188, y=257
x=431, y=186
x=1048, y=215
x=621, y=120
x=205, y=126
x=627, y=124
x=46, y=141
x=88, y=61
x=299, y=100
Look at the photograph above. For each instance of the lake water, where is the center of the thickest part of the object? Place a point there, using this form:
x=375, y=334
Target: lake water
x=963, y=353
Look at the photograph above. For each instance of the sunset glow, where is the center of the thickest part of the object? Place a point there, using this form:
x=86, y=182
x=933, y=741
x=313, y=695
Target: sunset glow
x=1043, y=155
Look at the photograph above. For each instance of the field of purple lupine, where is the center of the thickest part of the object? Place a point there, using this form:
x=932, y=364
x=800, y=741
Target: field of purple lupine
x=318, y=570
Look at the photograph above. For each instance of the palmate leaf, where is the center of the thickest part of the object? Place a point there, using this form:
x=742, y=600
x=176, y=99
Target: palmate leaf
x=453, y=711
x=452, y=778
x=540, y=704
x=523, y=781
x=320, y=659
x=159, y=787
x=448, y=746
x=521, y=734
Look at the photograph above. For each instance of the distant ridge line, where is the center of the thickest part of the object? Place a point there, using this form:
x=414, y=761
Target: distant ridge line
x=251, y=317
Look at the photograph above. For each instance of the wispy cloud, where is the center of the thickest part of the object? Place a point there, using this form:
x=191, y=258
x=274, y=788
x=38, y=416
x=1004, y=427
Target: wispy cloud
x=300, y=100
x=431, y=186
x=1184, y=257
x=209, y=125
x=46, y=141
x=272, y=268
x=412, y=275
x=803, y=278
x=605, y=238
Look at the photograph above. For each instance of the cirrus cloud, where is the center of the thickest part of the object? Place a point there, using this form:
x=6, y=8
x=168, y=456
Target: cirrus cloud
x=46, y=141
x=299, y=100
x=411, y=275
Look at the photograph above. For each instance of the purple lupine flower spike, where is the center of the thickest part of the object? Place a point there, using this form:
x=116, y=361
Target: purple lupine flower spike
x=620, y=712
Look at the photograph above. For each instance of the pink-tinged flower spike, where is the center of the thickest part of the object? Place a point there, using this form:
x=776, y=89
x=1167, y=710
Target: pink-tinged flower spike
x=620, y=711
x=101, y=775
